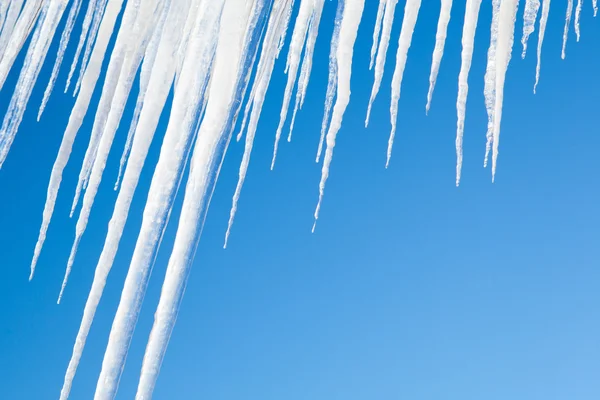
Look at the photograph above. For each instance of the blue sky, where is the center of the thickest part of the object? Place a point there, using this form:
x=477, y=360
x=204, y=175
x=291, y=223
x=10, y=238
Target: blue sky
x=409, y=288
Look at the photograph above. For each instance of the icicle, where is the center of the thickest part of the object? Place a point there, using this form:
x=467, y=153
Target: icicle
x=208, y=154
x=21, y=31
x=36, y=54
x=158, y=90
x=506, y=32
x=293, y=62
x=62, y=47
x=489, y=90
x=566, y=29
x=275, y=29
x=376, y=31
x=388, y=20
x=353, y=10
x=75, y=120
x=595, y=5
x=149, y=18
x=411, y=11
x=92, y=8
x=12, y=14
x=468, y=41
x=305, y=71
x=543, y=22
x=577, y=18
x=438, y=52
x=529, y=16
x=166, y=179
x=332, y=77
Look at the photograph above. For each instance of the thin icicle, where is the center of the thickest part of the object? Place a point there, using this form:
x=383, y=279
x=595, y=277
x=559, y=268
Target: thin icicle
x=275, y=29
x=20, y=32
x=388, y=20
x=506, y=32
x=529, y=16
x=332, y=78
x=158, y=90
x=468, y=42
x=489, y=90
x=566, y=29
x=305, y=71
x=411, y=11
x=75, y=120
x=12, y=14
x=577, y=18
x=293, y=62
x=149, y=18
x=91, y=40
x=377, y=31
x=438, y=51
x=543, y=22
x=166, y=179
x=36, y=54
x=124, y=46
x=62, y=47
x=353, y=10
x=92, y=8
x=208, y=154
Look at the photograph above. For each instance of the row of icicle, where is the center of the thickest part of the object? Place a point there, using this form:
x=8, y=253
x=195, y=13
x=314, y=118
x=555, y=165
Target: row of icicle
x=207, y=51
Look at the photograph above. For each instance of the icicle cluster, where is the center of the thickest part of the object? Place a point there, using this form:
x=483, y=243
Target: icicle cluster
x=207, y=53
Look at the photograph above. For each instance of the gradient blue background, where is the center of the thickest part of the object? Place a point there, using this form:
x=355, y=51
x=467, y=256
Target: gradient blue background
x=410, y=288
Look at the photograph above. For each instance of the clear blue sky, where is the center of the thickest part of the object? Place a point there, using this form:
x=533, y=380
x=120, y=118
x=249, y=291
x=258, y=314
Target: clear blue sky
x=410, y=288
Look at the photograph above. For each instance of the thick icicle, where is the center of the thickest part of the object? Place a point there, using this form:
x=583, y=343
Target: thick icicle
x=566, y=29
x=506, y=34
x=293, y=62
x=36, y=54
x=12, y=14
x=353, y=10
x=62, y=47
x=388, y=21
x=438, y=51
x=148, y=18
x=377, y=31
x=468, y=42
x=529, y=16
x=208, y=154
x=543, y=22
x=332, y=77
x=411, y=11
x=489, y=90
x=79, y=110
x=167, y=176
x=275, y=29
x=158, y=90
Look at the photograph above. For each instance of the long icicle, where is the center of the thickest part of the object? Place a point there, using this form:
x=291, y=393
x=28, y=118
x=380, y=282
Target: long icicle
x=438, y=51
x=377, y=31
x=79, y=110
x=158, y=90
x=208, y=155
x=275, y=29
x=384, y=42
x=165, y=181
x=543, y=22
x=411, y=11
x=489, y=91
x=332, y=76
x=293, y=62
x=506, y=34
x=62, y=47
x=577, y=19
x=566, y=28
x=353, y=10
x=468, y=43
